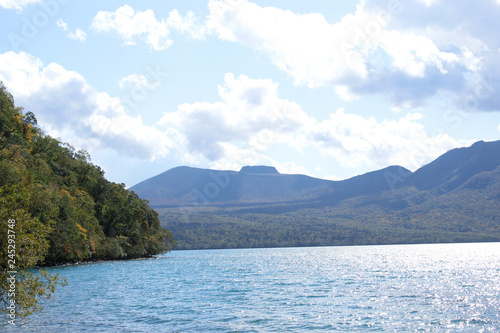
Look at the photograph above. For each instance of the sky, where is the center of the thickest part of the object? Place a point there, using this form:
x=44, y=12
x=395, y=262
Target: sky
x=330, y=89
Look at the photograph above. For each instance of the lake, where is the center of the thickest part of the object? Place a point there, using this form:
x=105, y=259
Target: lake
x=396, y=288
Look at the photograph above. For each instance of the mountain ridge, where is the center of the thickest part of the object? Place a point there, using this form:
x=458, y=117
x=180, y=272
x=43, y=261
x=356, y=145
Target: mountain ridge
x=454, y=198
x=190, y=186
x=455, y=167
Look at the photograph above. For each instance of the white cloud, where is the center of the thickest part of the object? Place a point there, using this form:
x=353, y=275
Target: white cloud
x=250, y=118
x=137, y=80
x=187, y=24
x=427, y=2
x=409, y=51
x=250, y=113
x=61, y=24
x=240, y=129
x=412, y=54
x=462, y=47
x=67, y=106
x=237, y=157
x=356, y=141
x=306, y=46
x=131, y=25
x=16, y=4
x=78, y=34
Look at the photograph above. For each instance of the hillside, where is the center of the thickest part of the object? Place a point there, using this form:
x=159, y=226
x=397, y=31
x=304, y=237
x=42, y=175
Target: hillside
x=452, y=199
x=456, y=167
x=65, y=209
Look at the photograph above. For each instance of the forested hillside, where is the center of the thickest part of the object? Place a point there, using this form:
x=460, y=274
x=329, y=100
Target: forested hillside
x=77, y=214
x=455, y=198
x=470, y=213
x=57, y=207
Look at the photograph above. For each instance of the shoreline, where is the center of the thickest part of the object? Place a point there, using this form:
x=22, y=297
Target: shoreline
x=84, y=262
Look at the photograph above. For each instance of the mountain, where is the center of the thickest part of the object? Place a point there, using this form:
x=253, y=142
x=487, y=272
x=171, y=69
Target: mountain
x=456, y=167
x=368, y=183
x=259, y=170
x=455, y=198
x=186, y=186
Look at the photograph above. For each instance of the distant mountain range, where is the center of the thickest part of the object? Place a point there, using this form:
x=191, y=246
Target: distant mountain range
x=455, y=198
x=187, y=186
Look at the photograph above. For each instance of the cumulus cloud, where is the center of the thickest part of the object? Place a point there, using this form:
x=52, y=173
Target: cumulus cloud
x=67, y=106
x=410, y=51
x=247, y=121
x=469, y=46
x=131, y=25
x=250, y=117
x=237, y=157
x=137, y=80
x=16, y=4
x=78, y=34
x=356, y=141
x=306, y=46
x=249, y=112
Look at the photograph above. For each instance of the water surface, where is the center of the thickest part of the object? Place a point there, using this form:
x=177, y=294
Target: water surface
x=397, y=288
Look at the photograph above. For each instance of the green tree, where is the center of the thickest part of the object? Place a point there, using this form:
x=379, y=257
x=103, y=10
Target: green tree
x=23, y=244
x=61, y=209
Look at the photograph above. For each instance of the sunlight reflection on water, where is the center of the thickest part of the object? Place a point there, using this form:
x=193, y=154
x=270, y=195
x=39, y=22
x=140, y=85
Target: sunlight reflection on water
x=442, y=287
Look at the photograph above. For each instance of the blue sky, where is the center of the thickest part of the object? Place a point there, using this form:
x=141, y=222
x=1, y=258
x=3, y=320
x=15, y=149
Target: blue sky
x=331, y=89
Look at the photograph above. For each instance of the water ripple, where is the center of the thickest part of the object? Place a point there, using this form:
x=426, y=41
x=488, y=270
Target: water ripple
x=429, y=288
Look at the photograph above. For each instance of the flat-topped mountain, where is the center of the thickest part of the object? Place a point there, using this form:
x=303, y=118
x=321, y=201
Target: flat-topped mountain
x=187, y=186
x=455, y=198
x=259, y=170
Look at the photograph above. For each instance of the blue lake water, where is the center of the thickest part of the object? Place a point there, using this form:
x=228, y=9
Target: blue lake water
x=398, y=288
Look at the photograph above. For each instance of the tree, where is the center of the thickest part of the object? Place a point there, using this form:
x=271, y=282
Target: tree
x=56, y=207
x=23, y=245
